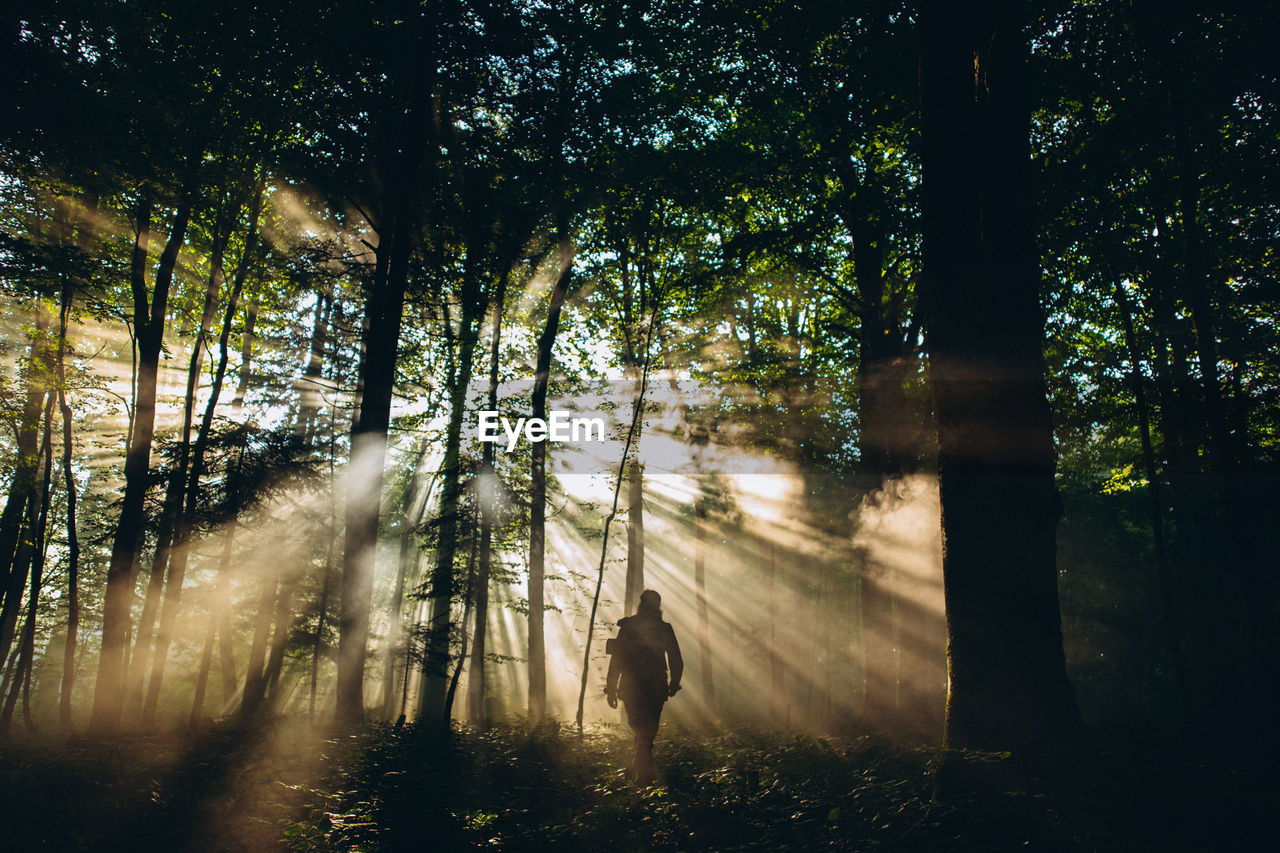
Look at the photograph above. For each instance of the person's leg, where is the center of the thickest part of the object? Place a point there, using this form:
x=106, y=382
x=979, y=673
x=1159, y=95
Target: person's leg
x=646, y=731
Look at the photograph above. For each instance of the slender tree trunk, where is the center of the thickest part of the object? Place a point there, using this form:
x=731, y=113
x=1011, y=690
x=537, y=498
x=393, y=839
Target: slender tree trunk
x=1154, y=503
x=22, y=505
x=170, y=529
x=255, y=684
x=538, y=489
x=777, y=677
x=309, y=410
x=632, y=429
x=328, y=565
x=246, y=350
x=73, y=542
x=466, y=617
x=149, y=321
x=436, y=662
x=1000, y=509
x=191, y=458
x=488, y=496
x=27, y=645
x=217, y=607
x=395, y=636
x=279, y=641
x=365, y=470
x=700, y=592
x=22, y=486
x=635, y=536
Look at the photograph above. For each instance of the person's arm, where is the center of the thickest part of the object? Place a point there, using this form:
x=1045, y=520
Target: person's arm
x=615, y=672
x=675, y=661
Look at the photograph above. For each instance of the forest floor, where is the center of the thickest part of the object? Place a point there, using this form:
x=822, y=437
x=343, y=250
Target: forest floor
x=288, y=785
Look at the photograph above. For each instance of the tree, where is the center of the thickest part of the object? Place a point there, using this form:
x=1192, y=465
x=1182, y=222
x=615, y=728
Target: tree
x=1008, y=681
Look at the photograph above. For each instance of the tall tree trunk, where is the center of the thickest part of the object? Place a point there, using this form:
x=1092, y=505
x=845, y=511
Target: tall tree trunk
x=217, y=606
x=149, y=321
x=1000, y=508
x=700, y=592
x=332, y=535
x=73, y=539
x=169, y=529
x=284, y=618
x=22, y=506
x=538, y=487
x=22, y=485
x=632, y=429
x=635, y=536
x=309, y=410
x=488, y=496
x=410, y=516
x=436, y=661
x=466, y=617
x=191, y=459
x=1154, y=504
x=255, y=683
x=368, y=457
x=246, y=350
x=27, y=645
x=778, y=711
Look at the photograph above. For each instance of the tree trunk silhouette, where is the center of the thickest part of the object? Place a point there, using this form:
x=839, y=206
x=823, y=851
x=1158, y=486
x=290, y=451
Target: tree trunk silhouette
x=1000, y=509
x=635, y=535
x=149, y=322
x=383, y=314
x=27, y=645
x=700, y=591
x=488, y=496
x=435, y=667
x=410, y=516
x=538, y=486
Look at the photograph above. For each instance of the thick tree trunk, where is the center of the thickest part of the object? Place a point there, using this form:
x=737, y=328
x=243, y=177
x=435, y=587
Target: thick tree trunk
x=149, y=321
x=1000, y=509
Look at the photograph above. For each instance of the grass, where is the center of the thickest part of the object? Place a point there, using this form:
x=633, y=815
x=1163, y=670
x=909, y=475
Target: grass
x=285, y=785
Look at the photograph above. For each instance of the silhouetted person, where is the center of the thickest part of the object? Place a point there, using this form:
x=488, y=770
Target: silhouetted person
x=638, y=674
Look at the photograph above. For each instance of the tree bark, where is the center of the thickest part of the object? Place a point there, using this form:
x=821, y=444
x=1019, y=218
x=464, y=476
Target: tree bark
x=1000, y=509
x=395, y=636
x=368, y=458
x=149, y=322
x=489, y=489
x=27, y=646
x=435, y=680
x=700, y=591
x=538, y=487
